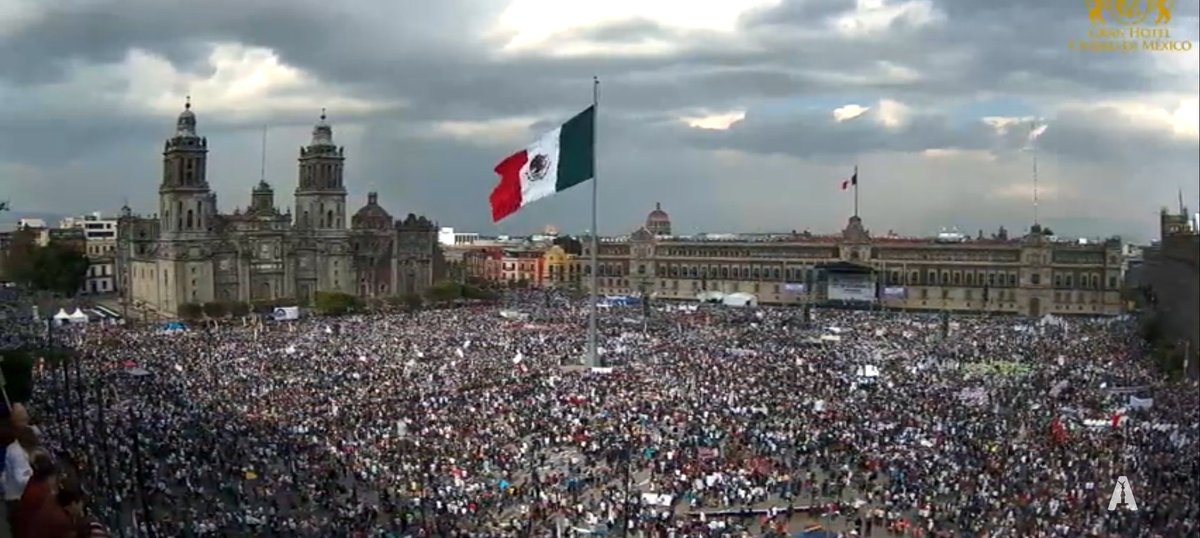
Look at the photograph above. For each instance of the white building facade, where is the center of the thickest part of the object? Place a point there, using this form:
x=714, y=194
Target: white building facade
x=100, y=238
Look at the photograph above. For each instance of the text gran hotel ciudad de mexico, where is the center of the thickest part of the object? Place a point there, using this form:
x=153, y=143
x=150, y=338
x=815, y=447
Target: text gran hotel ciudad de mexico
x=1130, y=26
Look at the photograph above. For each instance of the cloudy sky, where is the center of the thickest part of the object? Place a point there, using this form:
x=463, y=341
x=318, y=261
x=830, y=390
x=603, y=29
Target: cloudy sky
x=736, y=115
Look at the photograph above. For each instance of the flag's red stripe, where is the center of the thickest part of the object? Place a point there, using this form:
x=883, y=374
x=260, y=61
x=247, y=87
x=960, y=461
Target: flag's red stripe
x=506, y=197
x=846, y=184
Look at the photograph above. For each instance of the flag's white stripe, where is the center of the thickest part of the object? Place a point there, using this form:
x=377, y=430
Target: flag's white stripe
x=536, y=188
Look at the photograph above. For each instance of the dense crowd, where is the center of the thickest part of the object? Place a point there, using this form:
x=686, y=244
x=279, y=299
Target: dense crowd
x=711, y=422
x=42, y=498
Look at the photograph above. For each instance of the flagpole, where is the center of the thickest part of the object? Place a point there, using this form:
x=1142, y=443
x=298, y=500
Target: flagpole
x=593, y=359
x=855, y=190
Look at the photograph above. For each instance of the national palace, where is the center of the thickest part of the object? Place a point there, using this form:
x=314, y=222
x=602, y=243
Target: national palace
x=1031, y=274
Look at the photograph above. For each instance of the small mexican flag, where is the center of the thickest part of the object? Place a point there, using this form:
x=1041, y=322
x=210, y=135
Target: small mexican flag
x=559, y=160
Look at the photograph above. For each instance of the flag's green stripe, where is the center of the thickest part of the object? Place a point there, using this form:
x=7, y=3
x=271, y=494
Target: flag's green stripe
x=576, y=146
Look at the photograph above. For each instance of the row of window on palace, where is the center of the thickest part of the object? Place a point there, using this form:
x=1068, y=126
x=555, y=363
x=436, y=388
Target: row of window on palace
x=1004, y=256
x=1000, y=295
x=891, y=278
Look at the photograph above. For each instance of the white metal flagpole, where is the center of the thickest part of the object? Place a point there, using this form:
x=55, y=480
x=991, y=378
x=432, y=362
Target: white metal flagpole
x=593, y=358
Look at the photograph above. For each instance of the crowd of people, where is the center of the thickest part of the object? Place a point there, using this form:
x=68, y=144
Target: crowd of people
x=702, y=422
x=42, y=498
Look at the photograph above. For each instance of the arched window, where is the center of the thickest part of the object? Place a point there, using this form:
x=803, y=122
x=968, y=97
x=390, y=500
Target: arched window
x=329, y=218
x=189, y=219
x=304, y=219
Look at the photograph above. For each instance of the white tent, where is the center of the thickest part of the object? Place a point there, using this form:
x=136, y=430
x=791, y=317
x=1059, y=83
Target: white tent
x=740, y=299
x=62, y=315
x=78, y=316
x=710, y=297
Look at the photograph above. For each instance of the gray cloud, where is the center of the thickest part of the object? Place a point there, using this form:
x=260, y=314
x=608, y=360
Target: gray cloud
x=434, y=60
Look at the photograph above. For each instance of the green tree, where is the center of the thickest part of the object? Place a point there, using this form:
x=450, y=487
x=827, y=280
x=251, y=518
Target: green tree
x=215, y=309
x=445, y=291
x=190, y=311
x=413, y=301
x=335, y=303
x=55, y=267
x=238, y=309
x=477, y=293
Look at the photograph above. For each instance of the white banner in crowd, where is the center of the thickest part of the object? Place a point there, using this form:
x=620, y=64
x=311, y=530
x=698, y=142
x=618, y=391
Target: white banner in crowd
x=1140, y=403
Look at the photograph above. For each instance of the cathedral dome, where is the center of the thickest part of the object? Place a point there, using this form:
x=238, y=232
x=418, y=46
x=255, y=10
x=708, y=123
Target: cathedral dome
x=371, y=216
x=322, y=134
x=186, y=124
x=658, y=222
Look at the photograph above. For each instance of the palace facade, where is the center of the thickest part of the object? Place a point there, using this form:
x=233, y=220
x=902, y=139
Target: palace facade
x=189, y=252
x=1029, y=275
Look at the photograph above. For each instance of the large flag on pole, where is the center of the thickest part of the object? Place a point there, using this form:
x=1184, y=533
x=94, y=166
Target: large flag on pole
x=559, y=160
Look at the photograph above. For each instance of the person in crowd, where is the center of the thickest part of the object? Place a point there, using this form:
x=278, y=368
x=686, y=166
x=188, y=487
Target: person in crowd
x=705, y=422
x=60, y=517
x=17, y=468
x=41, y=489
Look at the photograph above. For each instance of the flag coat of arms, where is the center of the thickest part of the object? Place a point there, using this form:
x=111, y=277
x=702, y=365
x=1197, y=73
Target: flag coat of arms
x=557, y=161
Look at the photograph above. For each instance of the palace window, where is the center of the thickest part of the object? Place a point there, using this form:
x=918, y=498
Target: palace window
x=1112, y=282
x=914, y=278
x=1035, y=279
x=1068, y=281
x=1012, y=279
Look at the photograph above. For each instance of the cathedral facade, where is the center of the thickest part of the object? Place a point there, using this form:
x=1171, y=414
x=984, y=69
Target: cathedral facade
x=189, y=252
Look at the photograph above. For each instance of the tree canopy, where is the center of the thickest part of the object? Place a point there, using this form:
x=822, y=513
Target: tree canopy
x=54, y=267
x=335, y=303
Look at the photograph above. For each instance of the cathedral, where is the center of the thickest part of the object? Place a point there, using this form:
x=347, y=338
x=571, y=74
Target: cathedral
x=190, y=253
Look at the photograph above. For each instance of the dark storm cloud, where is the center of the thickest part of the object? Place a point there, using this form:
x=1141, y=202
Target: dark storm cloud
x=431, y=57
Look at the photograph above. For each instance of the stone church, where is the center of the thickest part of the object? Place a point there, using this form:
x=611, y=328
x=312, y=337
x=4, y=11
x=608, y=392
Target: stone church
x=189, y=252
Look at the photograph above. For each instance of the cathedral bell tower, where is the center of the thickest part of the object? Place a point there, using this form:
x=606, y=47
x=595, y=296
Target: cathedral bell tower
x=321, y=194
x=185, y=201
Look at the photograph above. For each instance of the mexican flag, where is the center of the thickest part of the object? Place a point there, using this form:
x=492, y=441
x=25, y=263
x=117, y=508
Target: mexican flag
x=559, y=160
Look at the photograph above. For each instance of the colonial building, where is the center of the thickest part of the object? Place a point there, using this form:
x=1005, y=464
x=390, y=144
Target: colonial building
x=100, y=238
x=189, y=252
x=1030, y=275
